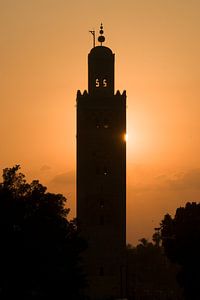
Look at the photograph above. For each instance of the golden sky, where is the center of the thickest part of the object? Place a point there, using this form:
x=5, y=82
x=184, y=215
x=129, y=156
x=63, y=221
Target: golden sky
x=43, y=62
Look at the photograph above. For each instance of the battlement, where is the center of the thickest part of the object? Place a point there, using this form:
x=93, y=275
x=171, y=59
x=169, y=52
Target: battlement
x=118, y=93
x=85, y=93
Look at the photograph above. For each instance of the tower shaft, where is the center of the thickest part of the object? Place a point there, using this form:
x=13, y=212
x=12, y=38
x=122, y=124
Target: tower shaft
x=101, y=177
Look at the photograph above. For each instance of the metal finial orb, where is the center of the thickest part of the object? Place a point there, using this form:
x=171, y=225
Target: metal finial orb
x=101, y=39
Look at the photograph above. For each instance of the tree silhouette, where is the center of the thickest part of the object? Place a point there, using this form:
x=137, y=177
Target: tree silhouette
x=150, y=275
x=40, y=249
x=181, y=241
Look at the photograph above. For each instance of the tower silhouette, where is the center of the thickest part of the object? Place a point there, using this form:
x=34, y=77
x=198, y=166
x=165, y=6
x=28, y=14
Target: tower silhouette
x=101, y=176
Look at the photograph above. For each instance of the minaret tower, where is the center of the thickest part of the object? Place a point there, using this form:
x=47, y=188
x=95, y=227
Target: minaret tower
x=101, y=176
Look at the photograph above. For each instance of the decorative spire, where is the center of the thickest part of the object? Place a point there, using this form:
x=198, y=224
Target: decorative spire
x=101, y=38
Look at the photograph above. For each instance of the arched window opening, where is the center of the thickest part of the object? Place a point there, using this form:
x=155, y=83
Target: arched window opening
x=101, y=203
x=105, y=171
x=106, y=124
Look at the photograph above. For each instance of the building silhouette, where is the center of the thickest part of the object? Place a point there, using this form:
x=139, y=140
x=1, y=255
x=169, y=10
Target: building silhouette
x=101, y=176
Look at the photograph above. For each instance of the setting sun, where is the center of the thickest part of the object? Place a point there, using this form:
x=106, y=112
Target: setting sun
x=126, y=137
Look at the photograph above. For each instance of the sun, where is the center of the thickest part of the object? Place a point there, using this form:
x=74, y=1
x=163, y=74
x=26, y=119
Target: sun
x=126, y=137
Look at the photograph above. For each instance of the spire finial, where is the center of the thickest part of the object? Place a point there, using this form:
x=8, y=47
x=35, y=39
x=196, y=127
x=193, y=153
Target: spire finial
x=101, y=38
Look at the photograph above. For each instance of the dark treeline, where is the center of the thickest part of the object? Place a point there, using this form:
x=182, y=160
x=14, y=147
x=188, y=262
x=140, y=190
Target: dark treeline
x=169, y=267
x=181, y=241
x=40, y=249
x=150, y=274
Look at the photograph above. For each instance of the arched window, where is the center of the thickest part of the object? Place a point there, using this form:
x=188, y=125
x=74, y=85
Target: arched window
x=106, y=124
x=101, y=203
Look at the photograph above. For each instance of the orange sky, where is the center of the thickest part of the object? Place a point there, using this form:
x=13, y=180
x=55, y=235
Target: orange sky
x=43, y=58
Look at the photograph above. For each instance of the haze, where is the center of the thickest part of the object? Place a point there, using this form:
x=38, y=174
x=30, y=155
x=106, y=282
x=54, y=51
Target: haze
x=43, y=57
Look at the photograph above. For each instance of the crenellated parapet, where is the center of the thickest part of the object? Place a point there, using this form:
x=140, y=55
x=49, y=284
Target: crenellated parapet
x=86, y=94
x=82, y=94
x=118, y=93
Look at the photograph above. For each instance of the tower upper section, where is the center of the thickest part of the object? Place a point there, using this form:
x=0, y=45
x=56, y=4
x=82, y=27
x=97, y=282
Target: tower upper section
x=101, y=69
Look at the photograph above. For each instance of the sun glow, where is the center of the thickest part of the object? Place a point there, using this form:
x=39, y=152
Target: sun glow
x=126, y=137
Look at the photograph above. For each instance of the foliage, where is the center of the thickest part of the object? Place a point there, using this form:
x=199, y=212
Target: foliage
x=40, y=248
x=150, y=275
x=181, y=240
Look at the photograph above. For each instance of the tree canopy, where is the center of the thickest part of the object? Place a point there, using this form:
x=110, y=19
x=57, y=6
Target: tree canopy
x=181, y=241
x=40, y=248
x=150, y=275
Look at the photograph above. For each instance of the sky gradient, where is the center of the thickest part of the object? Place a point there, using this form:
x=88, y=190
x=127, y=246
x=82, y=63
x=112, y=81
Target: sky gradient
x=43, y=57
